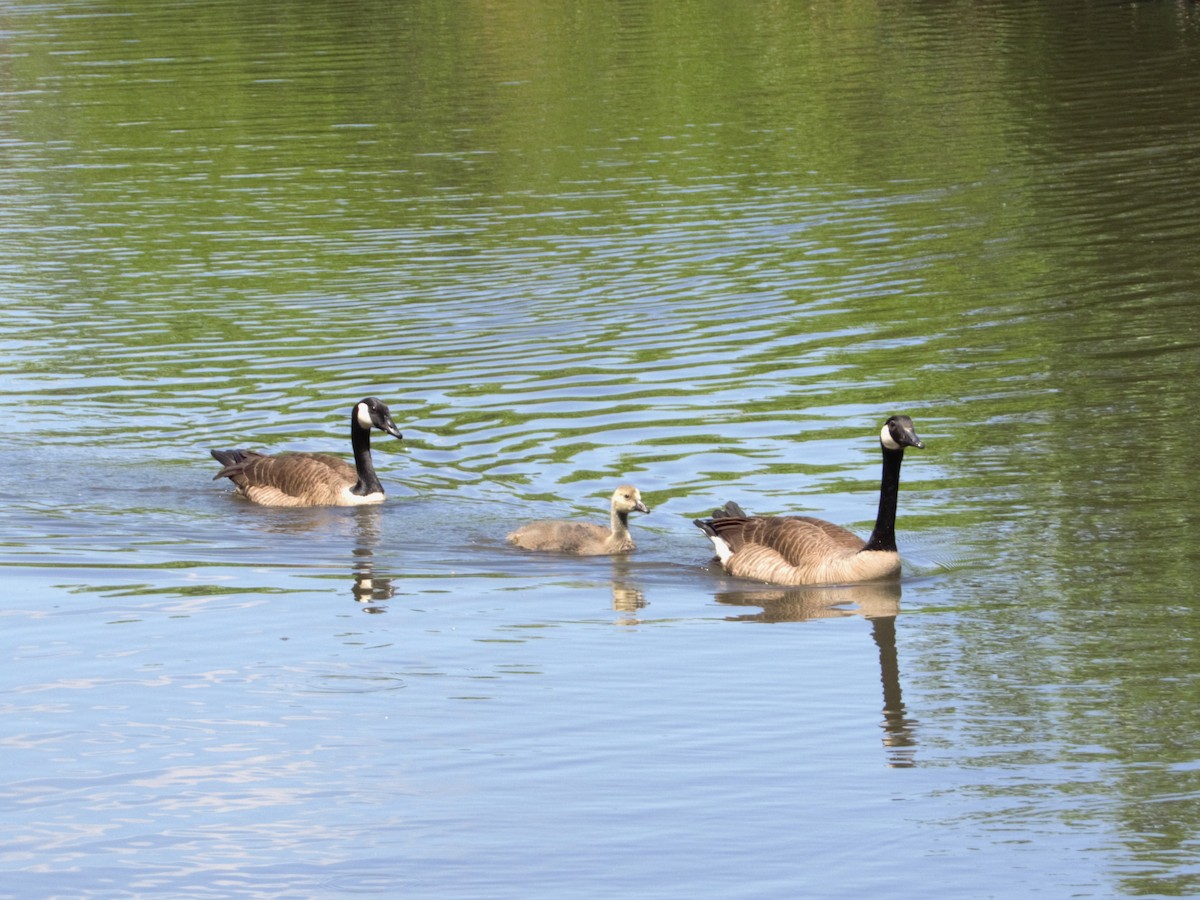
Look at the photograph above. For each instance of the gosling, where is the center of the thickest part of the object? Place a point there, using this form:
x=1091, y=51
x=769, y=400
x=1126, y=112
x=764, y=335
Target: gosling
x=585, y=538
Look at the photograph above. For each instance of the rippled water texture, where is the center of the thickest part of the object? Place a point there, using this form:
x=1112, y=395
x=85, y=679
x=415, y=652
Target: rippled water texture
x=704, y=249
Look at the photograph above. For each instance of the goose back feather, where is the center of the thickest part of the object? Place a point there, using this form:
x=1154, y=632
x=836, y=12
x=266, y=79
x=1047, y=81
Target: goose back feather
x=288, y=479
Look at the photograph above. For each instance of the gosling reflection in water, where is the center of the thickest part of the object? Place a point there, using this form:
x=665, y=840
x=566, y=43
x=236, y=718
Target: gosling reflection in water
x=627, y=597
x=877, y=602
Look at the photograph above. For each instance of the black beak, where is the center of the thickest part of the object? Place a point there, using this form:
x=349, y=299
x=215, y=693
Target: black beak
x=903, y=432
x=385, y=423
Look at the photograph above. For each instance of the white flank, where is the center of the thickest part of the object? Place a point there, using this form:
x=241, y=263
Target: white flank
x=351, y=499
x=722, y=548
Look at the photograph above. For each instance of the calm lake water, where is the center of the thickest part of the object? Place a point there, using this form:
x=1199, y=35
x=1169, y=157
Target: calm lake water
x=706, y=249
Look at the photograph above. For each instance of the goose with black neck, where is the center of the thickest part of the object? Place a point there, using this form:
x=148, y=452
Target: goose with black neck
x=795, y=550
x=313, y=479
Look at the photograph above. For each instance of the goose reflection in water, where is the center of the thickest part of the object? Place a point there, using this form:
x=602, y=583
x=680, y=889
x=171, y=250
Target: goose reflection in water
x=368, y=587
x=877, y=602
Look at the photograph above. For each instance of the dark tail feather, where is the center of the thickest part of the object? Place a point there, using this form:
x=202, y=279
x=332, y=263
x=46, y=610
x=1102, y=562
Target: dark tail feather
x=729, y=511
x=227, y=458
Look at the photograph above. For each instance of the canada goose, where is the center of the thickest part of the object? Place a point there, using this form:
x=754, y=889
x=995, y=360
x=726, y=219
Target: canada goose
x=313, y=479
x=584, y=538
x=803, y=550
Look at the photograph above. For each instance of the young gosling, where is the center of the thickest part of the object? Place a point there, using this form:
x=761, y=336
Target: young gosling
x=585, y=538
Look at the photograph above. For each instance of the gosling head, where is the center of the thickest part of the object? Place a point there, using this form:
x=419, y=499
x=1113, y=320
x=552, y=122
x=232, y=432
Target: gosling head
x=373, y=413
x=897, y=433
x=627, y=499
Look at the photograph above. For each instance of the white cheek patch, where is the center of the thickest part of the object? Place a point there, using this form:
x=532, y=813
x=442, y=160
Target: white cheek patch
x=885, y=438
x=363, y=416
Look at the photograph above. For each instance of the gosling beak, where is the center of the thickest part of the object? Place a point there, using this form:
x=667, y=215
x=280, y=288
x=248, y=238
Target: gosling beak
x=641, y=507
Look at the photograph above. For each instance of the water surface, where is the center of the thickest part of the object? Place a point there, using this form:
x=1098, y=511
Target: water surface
x=704, y=251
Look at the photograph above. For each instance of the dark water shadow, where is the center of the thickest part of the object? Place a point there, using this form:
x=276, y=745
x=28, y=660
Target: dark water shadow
x=878, y=603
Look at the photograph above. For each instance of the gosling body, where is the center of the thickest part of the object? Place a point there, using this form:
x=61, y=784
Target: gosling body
x=585, y=538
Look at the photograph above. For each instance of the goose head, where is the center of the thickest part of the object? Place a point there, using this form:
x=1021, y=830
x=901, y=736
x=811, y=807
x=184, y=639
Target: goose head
x=627, y=499
x=898, y=433
x=373, y=413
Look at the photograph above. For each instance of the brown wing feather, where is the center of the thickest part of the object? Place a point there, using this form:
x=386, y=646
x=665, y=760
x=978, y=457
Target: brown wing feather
x=797, y=539
x=799, y=550
x=290, y=479
x=801, y=539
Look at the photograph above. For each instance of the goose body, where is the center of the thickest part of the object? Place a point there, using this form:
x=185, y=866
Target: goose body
x=796, y=550
x=313, y=479
x=585, y=538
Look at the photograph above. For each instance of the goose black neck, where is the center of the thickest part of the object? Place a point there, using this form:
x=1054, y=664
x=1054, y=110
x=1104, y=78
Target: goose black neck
x=884, y=535
x=619, y=522
x=360, y=440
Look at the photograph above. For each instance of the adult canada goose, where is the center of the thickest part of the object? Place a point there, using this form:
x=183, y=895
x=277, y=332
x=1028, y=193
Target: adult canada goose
x=803, y=550
x=584, y=538
x=313, y=479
